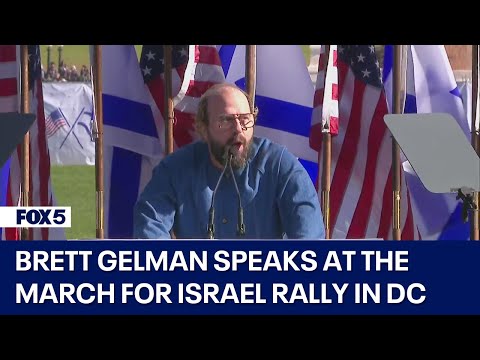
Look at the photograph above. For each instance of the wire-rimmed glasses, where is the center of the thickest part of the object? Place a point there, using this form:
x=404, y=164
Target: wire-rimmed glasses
x=228, y=121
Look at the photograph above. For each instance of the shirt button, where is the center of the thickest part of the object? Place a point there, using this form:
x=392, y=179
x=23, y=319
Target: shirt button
x=224, y=221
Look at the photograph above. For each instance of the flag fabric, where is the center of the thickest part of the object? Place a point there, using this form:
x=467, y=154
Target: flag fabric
x=9, y=102
x=361, y=195
x=54, y=122
x=41, y=192
x=203, y=71
x=133, y=107
x=4, y=171
x=72, y=104
x=431, y=88
x=466, y=92
x=195, y=68
x=153, y=70
x=325, y=101
x=284, y=96
x=133, y=137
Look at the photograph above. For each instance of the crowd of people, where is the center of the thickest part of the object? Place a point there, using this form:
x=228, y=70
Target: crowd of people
x=64, y=73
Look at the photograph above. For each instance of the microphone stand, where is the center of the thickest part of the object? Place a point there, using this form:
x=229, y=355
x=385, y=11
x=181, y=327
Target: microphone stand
x=240, y=224
x=211, y=213
x=468, y=204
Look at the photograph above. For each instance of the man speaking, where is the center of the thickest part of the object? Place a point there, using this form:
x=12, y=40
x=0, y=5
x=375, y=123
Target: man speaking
x=230, y=185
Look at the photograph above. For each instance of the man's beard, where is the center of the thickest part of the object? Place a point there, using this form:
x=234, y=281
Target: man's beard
x=239, y=160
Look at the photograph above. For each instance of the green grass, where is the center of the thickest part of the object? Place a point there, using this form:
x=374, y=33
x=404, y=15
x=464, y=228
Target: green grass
x=79, y=54
x=306, y=52
x=71, y=54
x=75, y=186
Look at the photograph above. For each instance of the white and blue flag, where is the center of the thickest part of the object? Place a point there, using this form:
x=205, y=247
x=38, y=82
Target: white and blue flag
x=431, y=88
x=132, y=145
x=284, y=96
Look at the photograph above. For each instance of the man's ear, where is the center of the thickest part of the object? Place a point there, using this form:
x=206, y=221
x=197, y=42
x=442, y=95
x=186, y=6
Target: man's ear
x=202, y=131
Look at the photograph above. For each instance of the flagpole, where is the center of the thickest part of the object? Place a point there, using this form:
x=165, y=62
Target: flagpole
x=475, y=219
x=327, y=153
x=97, y=84
x=398, y=102
x=168, y=112
x=250, y=72
x=24, y=108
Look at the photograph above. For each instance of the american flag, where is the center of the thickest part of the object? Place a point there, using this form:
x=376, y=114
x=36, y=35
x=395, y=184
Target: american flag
x=41, y=193
x=54, y=122
x=325, y=101
x=361, y=199
x=195, y=69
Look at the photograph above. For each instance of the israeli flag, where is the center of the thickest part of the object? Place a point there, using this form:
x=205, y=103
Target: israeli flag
x=431, y=88
x=283, y=94
x=132, y=145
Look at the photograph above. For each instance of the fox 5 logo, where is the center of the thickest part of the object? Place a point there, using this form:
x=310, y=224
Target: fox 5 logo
x=36, y=216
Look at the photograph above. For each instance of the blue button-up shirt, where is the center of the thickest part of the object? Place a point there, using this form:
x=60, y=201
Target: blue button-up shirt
x=277, y=196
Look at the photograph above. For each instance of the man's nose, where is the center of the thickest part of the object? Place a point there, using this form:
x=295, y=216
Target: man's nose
x=238, y=125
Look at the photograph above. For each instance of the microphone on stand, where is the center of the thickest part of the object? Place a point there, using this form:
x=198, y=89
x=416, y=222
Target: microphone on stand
x=211, y=212
x=240, y=224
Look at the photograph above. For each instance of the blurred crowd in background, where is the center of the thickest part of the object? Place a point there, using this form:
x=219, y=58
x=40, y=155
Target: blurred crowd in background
x=60, y=71
x=65, y=72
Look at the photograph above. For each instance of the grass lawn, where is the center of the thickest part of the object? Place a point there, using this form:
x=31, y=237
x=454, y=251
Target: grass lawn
x=79, y=54
x=71, y=54
x=75, y=186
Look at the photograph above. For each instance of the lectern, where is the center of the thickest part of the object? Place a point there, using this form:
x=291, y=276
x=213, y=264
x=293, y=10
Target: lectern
x=13, y=127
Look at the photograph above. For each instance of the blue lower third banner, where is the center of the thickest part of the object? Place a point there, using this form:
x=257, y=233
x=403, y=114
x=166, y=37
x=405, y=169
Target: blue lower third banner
x=192, y=277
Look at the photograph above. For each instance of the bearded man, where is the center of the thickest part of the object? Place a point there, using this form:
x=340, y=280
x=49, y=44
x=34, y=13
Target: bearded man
x=230, y=184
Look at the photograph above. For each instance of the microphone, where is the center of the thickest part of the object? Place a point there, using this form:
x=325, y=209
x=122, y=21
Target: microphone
x=211, y=212
x=240, y=224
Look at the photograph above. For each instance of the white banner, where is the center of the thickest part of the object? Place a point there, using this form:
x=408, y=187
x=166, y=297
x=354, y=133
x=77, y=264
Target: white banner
x=68, y=115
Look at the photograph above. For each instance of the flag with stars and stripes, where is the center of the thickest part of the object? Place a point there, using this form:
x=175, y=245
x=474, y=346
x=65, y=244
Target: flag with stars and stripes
x=195, y=68
x=325, y=100
x=361, y=195
x=55, y=121
x=41, y=192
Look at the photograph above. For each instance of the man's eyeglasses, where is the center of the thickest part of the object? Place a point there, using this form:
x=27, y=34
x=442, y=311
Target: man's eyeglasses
x=228, y=121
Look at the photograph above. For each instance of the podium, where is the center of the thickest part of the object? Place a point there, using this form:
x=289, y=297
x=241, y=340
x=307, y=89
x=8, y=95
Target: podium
x=13, y=127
